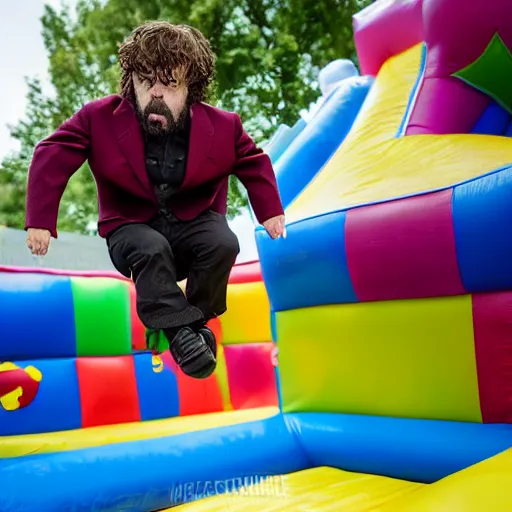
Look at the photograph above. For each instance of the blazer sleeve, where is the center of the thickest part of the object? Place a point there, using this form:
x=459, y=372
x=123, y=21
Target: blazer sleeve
x=55, y=160
x=254, y=169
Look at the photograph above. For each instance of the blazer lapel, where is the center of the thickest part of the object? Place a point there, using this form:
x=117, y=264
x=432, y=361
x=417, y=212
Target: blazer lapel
x=200, y=143
x=129, y=138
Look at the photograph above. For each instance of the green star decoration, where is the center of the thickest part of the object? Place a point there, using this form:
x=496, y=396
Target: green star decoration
x=491, y=73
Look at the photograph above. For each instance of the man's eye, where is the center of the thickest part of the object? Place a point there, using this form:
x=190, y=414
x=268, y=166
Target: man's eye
x=144, y=81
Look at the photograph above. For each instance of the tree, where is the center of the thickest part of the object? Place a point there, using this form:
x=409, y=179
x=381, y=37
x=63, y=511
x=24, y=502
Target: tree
x=269, y=53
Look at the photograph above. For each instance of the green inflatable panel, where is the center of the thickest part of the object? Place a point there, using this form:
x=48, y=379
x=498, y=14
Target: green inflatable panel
x=102, y=316
x=491, y=73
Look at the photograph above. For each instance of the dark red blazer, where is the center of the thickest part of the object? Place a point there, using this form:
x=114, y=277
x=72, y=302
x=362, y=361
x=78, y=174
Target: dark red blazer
x=107, y=134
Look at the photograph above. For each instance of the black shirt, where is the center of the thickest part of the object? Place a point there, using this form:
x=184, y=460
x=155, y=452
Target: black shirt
x=166, y=162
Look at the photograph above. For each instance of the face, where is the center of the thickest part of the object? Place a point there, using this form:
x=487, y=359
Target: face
x=161, y=107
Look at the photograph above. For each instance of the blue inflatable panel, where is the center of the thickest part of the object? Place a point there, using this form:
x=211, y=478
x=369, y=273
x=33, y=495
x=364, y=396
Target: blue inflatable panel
x=414, y=93
x=37, y=318
x=482, y=213
x=322, y=136
x=409, y=449
x=150, y=474
x=494, y=121
x=508, y=132
x=309, y=267
x=282, y=139
x=158, y=390
x=337, y=70
x=56, y=405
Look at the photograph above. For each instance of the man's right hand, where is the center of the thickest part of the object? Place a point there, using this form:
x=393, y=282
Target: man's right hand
x=38, y=241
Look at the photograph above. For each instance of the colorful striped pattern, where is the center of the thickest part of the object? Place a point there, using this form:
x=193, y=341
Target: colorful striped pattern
x=373, y=165
x=390, y=294
x=48, y=316
x=399, y=308
x=83, y=334
x=450, y=242
x=92, y=391
x=443, y=358
x=247, y=340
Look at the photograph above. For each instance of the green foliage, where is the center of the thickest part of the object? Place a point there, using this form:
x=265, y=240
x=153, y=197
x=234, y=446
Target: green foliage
x=268, y=55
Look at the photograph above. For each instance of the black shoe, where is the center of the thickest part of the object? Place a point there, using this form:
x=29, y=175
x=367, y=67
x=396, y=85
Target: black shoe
x=209, y=337
x=193, y=353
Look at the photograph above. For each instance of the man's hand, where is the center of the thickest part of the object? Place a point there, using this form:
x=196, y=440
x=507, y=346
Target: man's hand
x=38, y=241
x=275, y=227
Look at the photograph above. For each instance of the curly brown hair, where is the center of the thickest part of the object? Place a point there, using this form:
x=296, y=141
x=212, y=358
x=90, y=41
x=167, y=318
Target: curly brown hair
x=156, y=49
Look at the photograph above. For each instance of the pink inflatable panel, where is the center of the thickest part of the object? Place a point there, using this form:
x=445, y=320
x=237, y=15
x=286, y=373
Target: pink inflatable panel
x=384, y=29
x=493, y=348
x=252, y=381
x=403, y=249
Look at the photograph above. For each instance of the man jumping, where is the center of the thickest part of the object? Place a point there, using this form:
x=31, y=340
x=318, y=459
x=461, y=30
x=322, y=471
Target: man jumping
x=161, y=159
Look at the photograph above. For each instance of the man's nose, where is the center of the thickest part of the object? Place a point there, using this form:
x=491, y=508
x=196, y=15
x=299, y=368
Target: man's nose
x=157, y=91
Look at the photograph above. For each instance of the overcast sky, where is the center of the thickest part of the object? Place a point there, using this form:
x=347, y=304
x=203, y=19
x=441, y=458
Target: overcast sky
x=23, y=55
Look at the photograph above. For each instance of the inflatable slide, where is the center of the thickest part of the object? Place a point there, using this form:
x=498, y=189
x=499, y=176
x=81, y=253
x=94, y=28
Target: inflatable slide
x=385, y=314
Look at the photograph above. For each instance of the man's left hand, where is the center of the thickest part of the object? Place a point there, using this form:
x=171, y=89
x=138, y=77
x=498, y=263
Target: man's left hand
x=275, y=227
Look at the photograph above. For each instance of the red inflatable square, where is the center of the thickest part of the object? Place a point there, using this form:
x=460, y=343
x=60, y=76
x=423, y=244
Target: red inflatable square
x=196, y=396
x=108, y=390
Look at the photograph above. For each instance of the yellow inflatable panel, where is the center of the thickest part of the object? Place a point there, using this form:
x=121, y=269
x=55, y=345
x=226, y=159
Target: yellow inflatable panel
x=402, y=358
x=386, y=104
x=373, y=165
x=320, y=489
x=222, y=378
x=247, y=319
x=18, y=446
x=484, y=487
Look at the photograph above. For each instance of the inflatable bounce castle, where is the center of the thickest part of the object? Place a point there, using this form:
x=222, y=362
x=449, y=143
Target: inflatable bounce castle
x=365, y=360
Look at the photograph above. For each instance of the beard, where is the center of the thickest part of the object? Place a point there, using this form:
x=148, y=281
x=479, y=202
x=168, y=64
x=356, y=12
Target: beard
x=157, y=118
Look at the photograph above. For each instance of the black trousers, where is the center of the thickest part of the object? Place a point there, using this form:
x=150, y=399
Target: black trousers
x=159, y=254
